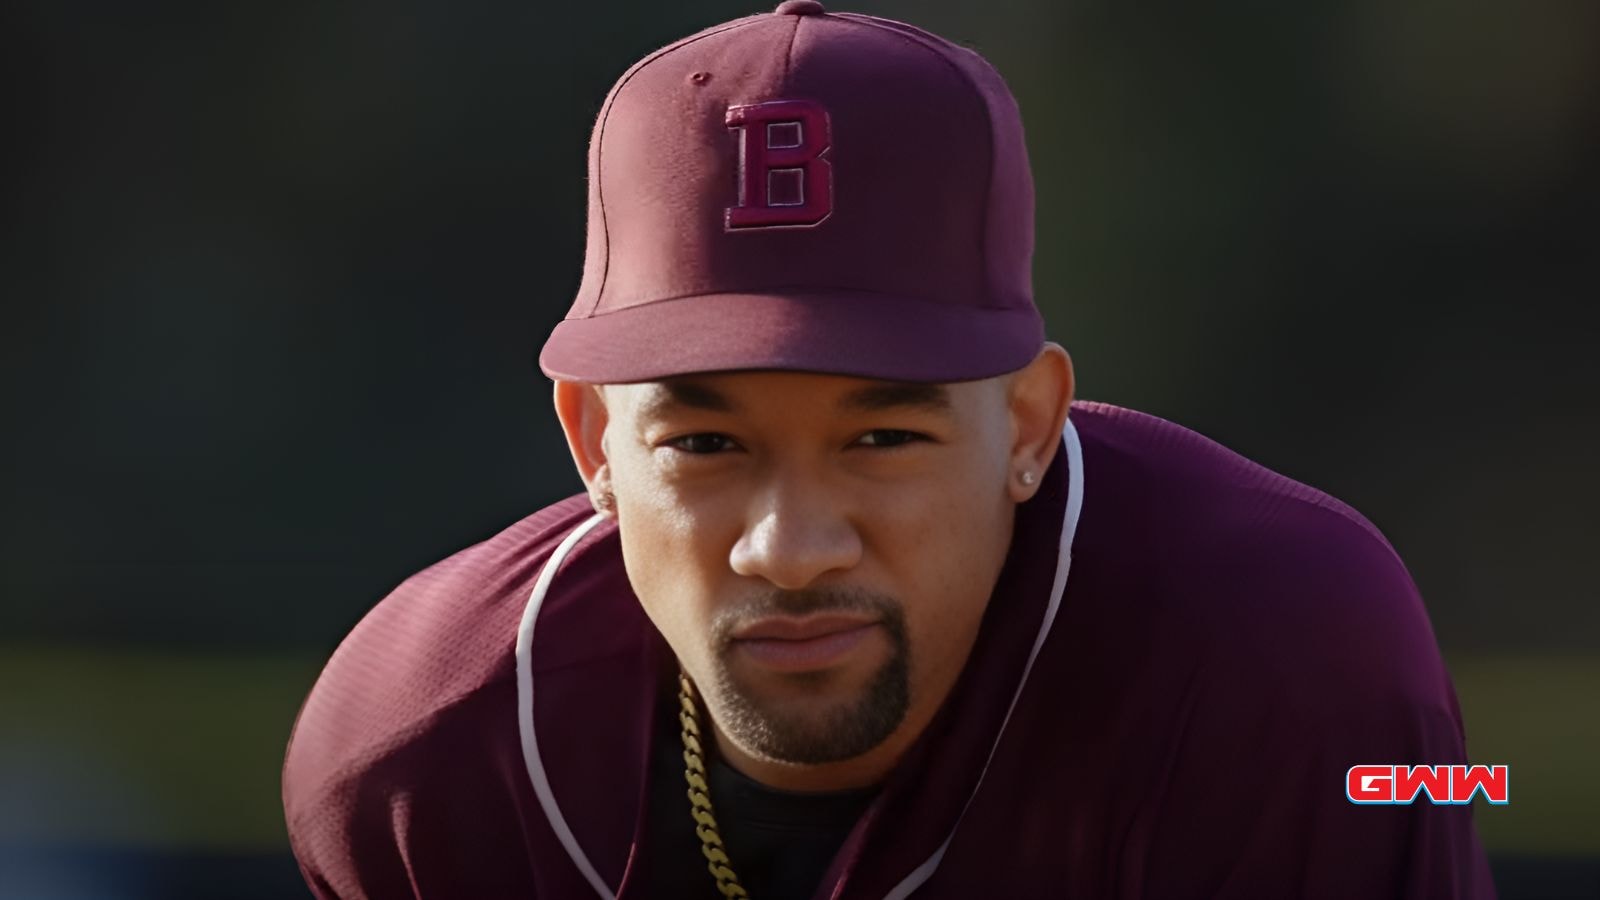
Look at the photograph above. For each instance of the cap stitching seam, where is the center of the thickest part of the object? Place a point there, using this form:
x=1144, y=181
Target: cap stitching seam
x=788, y=55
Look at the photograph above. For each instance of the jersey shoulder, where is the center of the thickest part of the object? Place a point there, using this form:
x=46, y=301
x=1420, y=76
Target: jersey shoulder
x=1262, y=638
x=1282, y=579
x=431, y=669
x=1197, y=482
x=442, y=635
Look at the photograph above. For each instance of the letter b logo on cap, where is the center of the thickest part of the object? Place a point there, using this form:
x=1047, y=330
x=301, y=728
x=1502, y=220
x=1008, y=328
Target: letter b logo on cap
x=783, y=179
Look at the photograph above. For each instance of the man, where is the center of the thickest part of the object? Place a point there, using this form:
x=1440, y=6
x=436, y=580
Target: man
x=853, y=607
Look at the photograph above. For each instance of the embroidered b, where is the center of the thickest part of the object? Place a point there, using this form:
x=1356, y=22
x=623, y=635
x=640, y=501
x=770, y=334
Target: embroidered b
x=783, y=178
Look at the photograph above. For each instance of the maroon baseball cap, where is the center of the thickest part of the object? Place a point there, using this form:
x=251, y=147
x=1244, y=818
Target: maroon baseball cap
x=810, y=191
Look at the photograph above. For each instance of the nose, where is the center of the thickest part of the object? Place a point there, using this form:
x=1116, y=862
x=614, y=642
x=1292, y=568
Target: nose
x=794, y=534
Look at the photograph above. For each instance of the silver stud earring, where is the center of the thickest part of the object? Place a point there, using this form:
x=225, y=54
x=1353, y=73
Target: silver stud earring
x=1027, y=478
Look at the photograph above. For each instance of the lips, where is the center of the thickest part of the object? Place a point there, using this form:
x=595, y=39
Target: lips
x=804, y=629
x=803, y=645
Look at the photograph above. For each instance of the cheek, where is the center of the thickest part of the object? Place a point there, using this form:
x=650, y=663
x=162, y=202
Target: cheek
x=945, y=547
x=959, y=573
x=671, y=550
x=945, y=516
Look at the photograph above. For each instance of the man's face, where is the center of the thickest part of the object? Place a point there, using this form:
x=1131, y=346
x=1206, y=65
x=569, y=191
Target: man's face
x=818, y=550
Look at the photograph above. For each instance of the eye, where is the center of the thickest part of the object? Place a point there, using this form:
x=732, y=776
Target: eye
x=890, y=437
x=701, y=443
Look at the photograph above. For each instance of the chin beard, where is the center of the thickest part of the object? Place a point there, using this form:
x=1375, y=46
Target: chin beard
x=841, y=731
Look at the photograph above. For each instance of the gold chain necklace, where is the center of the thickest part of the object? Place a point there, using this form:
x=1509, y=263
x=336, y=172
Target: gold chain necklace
x=705, y=822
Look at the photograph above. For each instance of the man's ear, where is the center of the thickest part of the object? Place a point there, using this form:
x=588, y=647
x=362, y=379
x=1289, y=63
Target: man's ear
x=1039, y=396
x=582, y=411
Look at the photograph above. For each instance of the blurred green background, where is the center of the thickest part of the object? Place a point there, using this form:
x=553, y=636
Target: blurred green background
x=274, y=275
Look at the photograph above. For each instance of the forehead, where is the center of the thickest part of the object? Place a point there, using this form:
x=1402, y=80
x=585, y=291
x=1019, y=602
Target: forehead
x=737, y=392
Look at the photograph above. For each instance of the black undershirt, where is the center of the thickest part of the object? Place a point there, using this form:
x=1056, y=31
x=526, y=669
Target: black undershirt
x=779, y=843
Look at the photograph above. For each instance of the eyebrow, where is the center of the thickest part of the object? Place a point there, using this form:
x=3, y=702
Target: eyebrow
x=872, y=398
x=898, y=395
x=691, y=394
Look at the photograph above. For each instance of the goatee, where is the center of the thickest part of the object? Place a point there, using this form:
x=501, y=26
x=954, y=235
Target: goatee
x=844, y=731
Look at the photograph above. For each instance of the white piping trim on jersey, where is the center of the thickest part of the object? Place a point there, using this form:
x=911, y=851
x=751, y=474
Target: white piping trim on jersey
x=530, y=744
x=919, y=875
x=1069, y=528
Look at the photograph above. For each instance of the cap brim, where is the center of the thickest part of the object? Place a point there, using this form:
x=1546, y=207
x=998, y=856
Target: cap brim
x=835, y=332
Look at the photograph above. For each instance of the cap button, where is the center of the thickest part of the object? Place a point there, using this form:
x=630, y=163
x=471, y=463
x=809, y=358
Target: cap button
x=799, y=8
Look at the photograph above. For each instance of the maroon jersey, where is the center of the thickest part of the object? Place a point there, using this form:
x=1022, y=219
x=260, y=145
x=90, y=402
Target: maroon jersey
x=1183, y=655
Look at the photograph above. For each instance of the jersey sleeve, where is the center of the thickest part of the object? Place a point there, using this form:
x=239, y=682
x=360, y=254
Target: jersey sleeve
x=431, y=819
x=1324, y=659
x=404, y=775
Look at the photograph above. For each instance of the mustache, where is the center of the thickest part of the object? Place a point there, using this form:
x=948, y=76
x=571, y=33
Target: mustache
x=806, y=602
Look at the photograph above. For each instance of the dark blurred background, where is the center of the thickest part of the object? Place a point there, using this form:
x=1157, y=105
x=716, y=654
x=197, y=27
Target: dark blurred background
x=274, y=276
